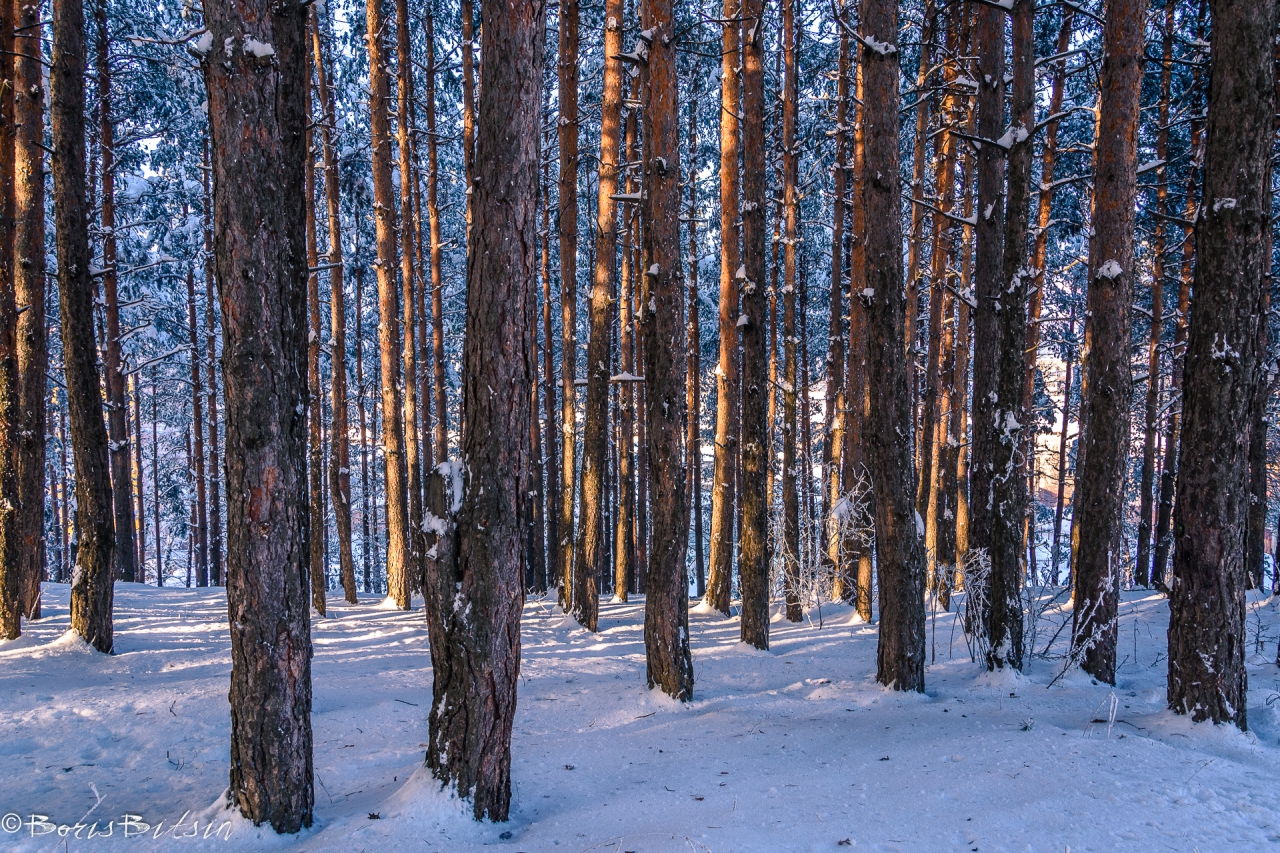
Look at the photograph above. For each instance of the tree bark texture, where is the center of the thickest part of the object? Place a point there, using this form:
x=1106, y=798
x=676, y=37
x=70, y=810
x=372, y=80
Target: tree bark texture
x=1107, y=380
x=258, y=119
x=1207, y=675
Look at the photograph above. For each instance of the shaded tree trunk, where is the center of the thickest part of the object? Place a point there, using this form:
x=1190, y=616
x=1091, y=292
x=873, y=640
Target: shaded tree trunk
x=693, y=441
x=91, y=584
x=552, y=426
x=835, y=402
x=436, y=251
x=1039, y=252
x=125, y=555
x=197, y=426
x=339, y=447
x=899, y=550
x=1097, y=505
x=666, y=612
x=215, y=458
x=753, y=544
x=1207, y=675
x=258, y=117
x=11, y=548
x=474, y=588
x=1151, y=419
x=315, y=424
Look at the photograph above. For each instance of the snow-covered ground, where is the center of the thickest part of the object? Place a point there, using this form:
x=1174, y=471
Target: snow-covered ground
x=796, y=749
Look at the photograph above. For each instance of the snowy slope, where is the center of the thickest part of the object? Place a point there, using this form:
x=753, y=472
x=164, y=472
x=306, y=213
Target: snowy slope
x=796, y=749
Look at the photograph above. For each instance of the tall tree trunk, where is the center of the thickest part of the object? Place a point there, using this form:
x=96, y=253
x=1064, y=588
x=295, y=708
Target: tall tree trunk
x=1098, y=502
x=155, y=475
x=835, y=402
x=258, y=117
x=1039, y=252
x=567, y=232
x=958, y=478
x=938, y=462
x=753, y=543
x=339, y=448
x=11, y=548
x=393, y=427
x=666, y=611
x=1009, y=489
x=467, y=38
x=433, y=230
x=899, y=550
x=1207, y=675
x=791, y=224
x=197, y=426
x=997, y=520
x=915, y=240
x=1173, y=426
x=91, y=585
x=368, y=525
x=474, y=592
x=405, y=148
x=125, y=556
x=624, y=548
x=215, y=458
x=315, y=425
x=28, y=265
x=551, y=426
x=693, y=441
x=1060, y=505
x=860, y=523
x=591, y=543
x=725, y=470
x=1151, y=419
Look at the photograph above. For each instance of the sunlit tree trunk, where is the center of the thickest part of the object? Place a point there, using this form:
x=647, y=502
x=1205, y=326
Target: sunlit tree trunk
x=393, y=429
x=725, y=470
x=28, y=265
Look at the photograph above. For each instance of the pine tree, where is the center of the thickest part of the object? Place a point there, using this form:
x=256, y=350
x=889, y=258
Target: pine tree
x=724, y=473
x=28, y=257
x=474, y=586
x=666, y=612
x=91, y=585
x=1207, y=675
x=1096, y=524
x=899, y=549
x=258, y=118
x=393, y=428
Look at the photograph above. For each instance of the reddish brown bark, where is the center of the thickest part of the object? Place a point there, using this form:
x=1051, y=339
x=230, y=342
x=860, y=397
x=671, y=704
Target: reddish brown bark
x=258, y=119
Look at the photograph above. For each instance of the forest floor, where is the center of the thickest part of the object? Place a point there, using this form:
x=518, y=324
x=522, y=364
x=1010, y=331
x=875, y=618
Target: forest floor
x=796, y=749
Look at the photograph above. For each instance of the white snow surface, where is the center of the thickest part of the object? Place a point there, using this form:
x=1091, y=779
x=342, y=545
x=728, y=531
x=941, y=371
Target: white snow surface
x=794, y=749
